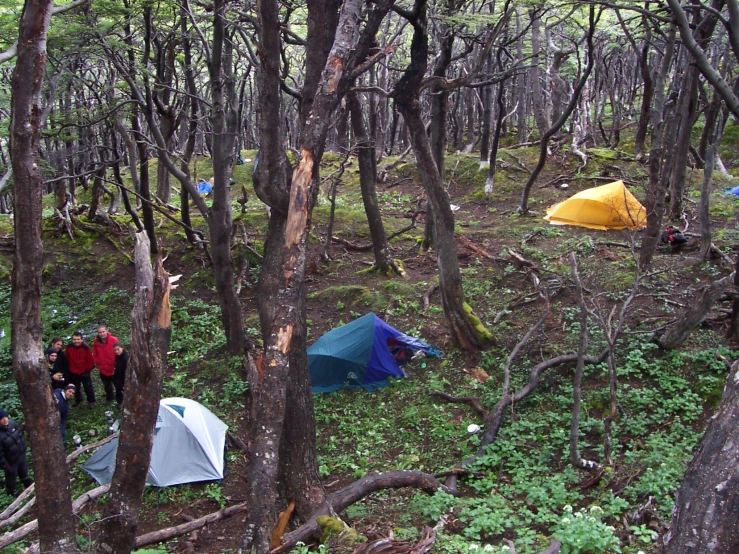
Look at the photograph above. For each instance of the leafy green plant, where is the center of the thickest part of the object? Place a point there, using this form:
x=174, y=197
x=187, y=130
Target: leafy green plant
x=584, y=532
x=214, y=491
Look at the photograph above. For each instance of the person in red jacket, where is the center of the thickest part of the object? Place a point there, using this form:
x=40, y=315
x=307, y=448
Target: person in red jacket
x=80, y=363
x=104, y=356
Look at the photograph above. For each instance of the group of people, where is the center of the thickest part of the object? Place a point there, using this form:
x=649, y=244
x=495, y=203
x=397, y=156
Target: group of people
x=70, y=370
x=73, y=365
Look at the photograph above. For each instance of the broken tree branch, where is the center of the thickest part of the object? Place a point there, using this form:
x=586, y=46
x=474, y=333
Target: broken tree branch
x=347, y=496
x=472, y=401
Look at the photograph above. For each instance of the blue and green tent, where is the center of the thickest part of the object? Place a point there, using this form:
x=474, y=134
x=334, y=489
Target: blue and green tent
x=363, y=353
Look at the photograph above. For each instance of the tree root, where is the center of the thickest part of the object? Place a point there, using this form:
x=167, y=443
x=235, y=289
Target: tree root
x=355, y=247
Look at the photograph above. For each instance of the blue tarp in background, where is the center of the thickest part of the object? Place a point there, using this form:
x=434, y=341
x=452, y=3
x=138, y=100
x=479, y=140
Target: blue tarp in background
x=358, y=355
x=204, y=187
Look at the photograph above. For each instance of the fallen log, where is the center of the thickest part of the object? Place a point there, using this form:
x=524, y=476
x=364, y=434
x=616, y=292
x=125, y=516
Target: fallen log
x=352, y=245
x=9, y=515
x=23, y=531
x=464, y=241
x=179, y=530
x=18, y=514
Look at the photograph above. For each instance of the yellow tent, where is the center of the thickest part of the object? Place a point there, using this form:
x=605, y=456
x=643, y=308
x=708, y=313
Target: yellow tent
x=610, y=206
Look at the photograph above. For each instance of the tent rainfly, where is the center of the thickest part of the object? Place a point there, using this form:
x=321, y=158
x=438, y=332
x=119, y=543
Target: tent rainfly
x=610, y=206
x=189, y=445
x=363, y=353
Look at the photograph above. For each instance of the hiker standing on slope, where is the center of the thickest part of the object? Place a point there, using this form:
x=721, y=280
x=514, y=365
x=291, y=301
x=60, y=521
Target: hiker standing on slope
x=104, y=355
x=121, y=366
x=12, y=453
x=63, y=398
x=79, y=358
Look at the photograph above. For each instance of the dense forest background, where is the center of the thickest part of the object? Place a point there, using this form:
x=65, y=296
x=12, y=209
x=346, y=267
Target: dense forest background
x=395, y=157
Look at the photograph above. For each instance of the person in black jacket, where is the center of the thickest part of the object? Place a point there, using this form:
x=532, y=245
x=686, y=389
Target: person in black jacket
x=12, y=454
x=57, y=343
x=57, y=377
x=63, y=397
x=121, y=365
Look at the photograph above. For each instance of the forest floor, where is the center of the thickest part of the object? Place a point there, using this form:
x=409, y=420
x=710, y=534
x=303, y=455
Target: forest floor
x=525, y=489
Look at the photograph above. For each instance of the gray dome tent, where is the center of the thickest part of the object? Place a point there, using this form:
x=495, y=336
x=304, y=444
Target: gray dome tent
x=189, y=443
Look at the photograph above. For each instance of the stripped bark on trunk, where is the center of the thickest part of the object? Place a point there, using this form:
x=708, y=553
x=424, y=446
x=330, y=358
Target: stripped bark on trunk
x=270, y=390
x=150, y=334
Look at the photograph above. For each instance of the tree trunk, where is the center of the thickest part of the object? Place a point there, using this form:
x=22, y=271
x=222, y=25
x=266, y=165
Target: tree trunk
x=549, y=133
x=679, y=331
x=654, y=203
x=54, y=502
x=192, y=124
x=150, y=334
x=271, y=388
x=223, y=121
x=437, y=128
x=646, y=101
x=707, y=505
x=465, y=328
x=542, y=121
x=705, y=219
x=487, y=116
x=96, y=194
x=367, y=178
x=470, y=146
x=521, y=130
x=298, y=472
x=679, y=159
x=711, y=113
x=143, y=156
x=705, y=27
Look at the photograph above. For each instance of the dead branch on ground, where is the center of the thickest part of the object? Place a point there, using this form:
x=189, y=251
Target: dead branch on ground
x=695, y=314
x=179, y=530
x=472, y=401
x=427, y=297
x=32, y=526
x=338, y=501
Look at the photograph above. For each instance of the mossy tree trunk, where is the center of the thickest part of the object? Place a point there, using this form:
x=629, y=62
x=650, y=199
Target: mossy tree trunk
x=465, y=328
